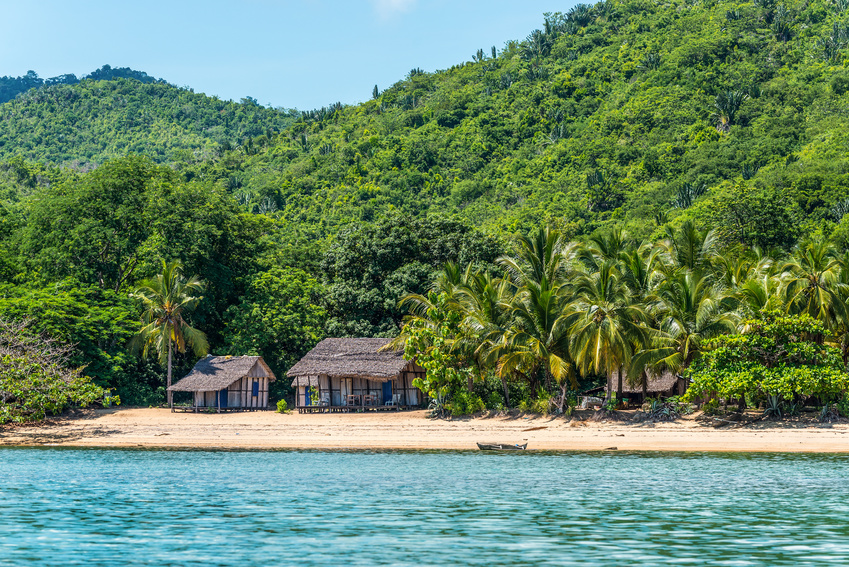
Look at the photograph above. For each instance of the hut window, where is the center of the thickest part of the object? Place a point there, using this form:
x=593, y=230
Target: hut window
x=255, y=391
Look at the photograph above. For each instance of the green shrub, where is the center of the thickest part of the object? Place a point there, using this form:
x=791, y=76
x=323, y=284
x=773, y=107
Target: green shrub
x=542, y=403
x=711, y=407
x=464, y=402
x=495, y=401
x=37, y=380
x=282, y=406
x=739, y=366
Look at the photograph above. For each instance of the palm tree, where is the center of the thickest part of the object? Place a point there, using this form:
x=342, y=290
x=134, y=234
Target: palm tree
x=727, y=104
x=689, y=309
x=539, y=336
x=166, y=298
x=811, y=283
x=690, y=248
x=537, y=258
x=607, y=322
x=487, y=303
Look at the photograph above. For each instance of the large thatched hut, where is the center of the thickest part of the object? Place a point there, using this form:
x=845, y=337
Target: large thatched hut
x=342, y=374
x=227, y=383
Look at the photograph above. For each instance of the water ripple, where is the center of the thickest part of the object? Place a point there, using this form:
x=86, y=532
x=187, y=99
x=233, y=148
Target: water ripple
x=107, y=507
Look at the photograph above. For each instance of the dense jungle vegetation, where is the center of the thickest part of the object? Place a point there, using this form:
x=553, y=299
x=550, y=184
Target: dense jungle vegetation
x=627, y=117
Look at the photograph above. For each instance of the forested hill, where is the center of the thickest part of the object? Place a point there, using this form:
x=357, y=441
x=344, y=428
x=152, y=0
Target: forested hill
x=115, y=112
x=10, y=87
x=627, y=114
x=627, y=111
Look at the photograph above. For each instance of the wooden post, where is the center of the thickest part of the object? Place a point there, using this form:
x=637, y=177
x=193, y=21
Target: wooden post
x=218, y=399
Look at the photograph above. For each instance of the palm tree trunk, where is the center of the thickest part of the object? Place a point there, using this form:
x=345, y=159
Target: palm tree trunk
x=506, y=392
x=170, y=393
x=645, y=386
x=619, y=387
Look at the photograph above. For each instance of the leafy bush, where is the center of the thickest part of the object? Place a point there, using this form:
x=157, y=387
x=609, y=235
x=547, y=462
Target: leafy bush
x=711, y=407
x=36, y=379
x=778, y=355
x=282, y=406
x=542, y=404
x=495, y=401
x=465, y=403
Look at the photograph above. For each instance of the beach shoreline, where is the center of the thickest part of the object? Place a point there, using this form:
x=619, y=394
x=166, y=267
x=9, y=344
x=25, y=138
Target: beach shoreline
x=160, y=428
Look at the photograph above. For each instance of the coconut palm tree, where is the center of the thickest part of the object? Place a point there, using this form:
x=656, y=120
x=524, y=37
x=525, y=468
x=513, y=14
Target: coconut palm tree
x=811, y=283
x=689, y=310
x=606, y=322
x=538, y=339
x=166, y=298
x=538, y=258
x=689, y=247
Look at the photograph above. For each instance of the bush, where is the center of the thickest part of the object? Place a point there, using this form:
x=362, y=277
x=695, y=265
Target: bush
x=464, y=402
x=36, y=379
x=495, y=401
x=542, y=403
x=741, y=366
x=282, y=406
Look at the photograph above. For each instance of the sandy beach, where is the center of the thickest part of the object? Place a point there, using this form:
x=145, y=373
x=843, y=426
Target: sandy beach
x=411, y=430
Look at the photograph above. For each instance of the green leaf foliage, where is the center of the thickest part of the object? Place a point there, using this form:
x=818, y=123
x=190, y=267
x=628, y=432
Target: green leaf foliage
x=777, y=355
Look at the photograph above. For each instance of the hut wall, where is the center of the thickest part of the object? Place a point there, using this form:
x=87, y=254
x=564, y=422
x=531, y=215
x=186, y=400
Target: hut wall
x=240, y=394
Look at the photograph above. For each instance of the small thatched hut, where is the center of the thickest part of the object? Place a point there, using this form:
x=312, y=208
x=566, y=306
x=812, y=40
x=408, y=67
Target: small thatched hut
x=228, y=383
x=339, y=374
x=662, y=385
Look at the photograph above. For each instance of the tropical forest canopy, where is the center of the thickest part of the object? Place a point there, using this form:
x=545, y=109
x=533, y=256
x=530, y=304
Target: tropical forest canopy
x=626, y=116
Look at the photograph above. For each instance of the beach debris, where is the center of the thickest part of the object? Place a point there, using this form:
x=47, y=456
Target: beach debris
x=536, y=428
x=611, y=449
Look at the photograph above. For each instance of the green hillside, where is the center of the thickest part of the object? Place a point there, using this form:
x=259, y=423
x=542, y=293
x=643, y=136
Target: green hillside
x=625, y=111
x=81, y=125
x=619, y=122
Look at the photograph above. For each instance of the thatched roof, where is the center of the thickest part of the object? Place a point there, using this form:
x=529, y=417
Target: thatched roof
x=662, y=382
x=218, y=372
x=348, y=358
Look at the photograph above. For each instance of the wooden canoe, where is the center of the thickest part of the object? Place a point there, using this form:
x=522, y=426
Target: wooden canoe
x=501, y=447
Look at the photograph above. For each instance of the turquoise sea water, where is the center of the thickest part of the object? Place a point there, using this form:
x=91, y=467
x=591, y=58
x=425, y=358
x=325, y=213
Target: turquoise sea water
x=107, y=507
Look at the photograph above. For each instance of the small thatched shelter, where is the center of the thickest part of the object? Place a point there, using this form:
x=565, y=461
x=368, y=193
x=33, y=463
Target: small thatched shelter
x=661, y=385
x=228, y=383
x=340, y=373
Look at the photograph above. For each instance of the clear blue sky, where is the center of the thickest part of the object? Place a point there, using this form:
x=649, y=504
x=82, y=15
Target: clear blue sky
x=295, y=54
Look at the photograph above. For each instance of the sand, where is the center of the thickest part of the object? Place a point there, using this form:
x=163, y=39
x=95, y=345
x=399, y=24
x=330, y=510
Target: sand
x=149, y=428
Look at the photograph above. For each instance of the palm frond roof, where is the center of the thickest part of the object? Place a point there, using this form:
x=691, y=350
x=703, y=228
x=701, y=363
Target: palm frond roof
x=214, y=373
x=351, y=358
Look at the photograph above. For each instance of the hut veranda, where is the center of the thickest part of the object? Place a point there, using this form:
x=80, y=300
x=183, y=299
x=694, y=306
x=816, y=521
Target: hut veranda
x=346, y=374
x=227, y=383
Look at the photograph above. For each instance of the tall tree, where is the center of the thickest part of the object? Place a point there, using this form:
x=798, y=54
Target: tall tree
x=166, y=297
x=608, y=323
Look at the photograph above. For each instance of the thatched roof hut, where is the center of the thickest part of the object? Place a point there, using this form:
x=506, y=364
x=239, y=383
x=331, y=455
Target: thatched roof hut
x=228, y=382
x=354, y=371
x=662, y=384
x=350, y=358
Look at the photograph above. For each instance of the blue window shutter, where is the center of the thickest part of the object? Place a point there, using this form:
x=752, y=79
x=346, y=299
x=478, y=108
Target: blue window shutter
x=256, y=388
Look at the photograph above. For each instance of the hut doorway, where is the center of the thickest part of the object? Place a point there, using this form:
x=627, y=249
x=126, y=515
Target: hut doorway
x=387, y=391
x=222, y=398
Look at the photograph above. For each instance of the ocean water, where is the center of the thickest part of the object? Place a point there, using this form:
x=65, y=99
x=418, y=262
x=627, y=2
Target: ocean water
x=110, y=507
